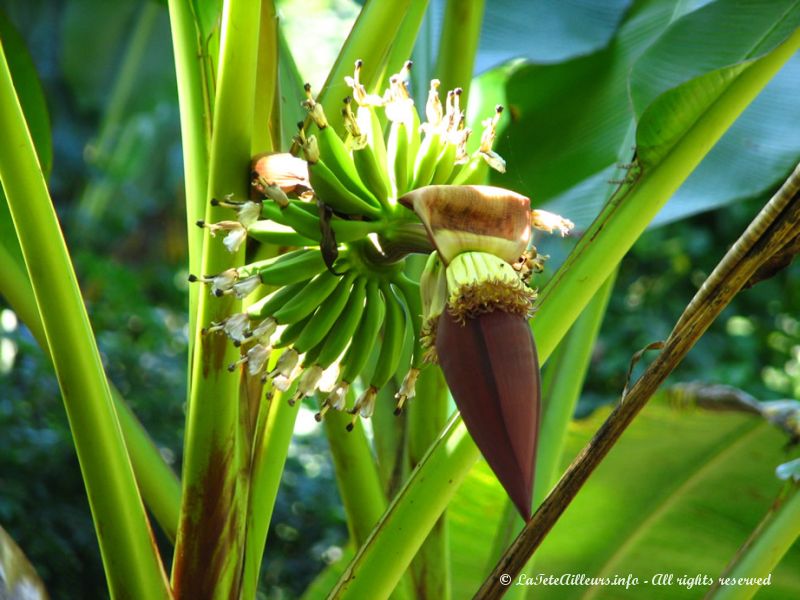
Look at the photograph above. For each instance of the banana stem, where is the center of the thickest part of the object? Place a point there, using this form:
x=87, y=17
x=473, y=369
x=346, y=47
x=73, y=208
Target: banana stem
x=459, y=44
x=195, y=133
x=214, y=486
x=269, y=457
x=132, y=564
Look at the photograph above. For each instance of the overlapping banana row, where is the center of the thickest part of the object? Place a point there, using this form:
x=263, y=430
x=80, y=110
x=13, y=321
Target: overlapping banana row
x=324, y=323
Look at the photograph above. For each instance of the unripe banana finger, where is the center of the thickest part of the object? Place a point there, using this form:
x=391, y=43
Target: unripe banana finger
x=472, y=173
x=397, y=156
x=297, y=216
x=269, y=232
x=332, y=192
x=358, y=353
x=334, y=154
x=426, y=159
x=351, y=231
x=284, y=271
x=371, y=126
x=394, y=329
x=445, y=165
x=325, y=316
x=413, y=300
x=267, y=305
x=371, y=174
x=342, y=332
x=412, y=132
x=308, y=299
x=291, y=332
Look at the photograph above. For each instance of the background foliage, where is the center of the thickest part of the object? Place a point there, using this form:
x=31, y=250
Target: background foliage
x=108, y=76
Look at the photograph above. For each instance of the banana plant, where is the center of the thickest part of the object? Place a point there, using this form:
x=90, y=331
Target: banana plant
x=305, y=289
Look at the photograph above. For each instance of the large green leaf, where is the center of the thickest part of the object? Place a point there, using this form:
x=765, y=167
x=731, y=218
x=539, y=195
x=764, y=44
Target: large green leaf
x=678, y=494
x=756, y=153
x=683, y=72
x=569, y=121
x=575, y=119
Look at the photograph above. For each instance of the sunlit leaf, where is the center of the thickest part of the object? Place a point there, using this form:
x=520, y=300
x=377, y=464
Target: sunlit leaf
x=574, y=120
x=683, y=72
x=678, y=494
x=569, y=121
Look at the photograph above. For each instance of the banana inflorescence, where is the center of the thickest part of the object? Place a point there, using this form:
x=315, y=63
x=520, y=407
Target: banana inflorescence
x=340, y=295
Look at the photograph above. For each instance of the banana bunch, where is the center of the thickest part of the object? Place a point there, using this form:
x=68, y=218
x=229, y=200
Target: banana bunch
x=341, y=297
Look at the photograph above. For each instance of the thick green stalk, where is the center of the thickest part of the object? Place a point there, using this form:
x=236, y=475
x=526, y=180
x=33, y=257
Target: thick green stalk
x=403, y=45
x=356, y=475
x=269, y=457
x=370, y=40
x=459, y=44
x=379, y=564
x=266, y=80
x=561, y=388
x=158, y=484
x=210, y=543
x=765, y=548
x=130, y=558
x=359, y=484
x=389, y=441
x=195, y=133
x=405, y=525
x=427, y=415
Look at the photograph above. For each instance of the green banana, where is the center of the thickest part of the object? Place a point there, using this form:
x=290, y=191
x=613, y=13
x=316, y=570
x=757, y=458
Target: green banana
x=375, y=174
x=371, y=174
x=342, y=332
x=398, y=158
x=270, y=232
x=286, y=268
x=394, y=330
x=412, y=131
x=308, y=299
x=322, y=320
x=358, y=353
x=291, y=332
x=427, y=159
x=334, y=154
x=472, y=173
x=352, y=231
x=332, y=192
x=445, y=164
x=413, y=300
x=294, y=215
x=299, y=217
x=267, y=305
